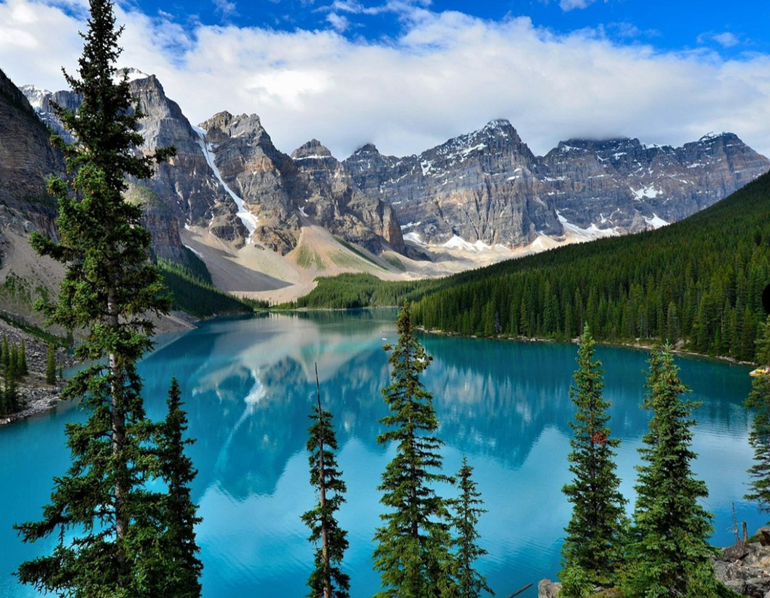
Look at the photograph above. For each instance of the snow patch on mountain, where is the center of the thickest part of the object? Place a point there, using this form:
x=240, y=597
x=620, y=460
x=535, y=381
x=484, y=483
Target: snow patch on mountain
x=656, y=221
x=35, y=95
x=648, y=192
x=249, y=220
x=586, y=234
x=459, y=243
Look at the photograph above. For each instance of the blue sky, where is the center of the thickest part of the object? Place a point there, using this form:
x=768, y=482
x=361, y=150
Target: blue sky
x=409, y=74
x=732, y=28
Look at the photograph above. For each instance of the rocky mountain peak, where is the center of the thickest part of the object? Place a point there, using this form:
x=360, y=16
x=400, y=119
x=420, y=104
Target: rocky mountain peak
x=134, y=74
x=368, y=149
x=311, y=149
x=224, y=125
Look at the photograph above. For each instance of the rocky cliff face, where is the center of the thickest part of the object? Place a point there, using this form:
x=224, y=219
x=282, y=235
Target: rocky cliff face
x=187, y=183
x=488, y=186
x=480, y=187
x=281, y=191
x=332, y=196
x=26, y=161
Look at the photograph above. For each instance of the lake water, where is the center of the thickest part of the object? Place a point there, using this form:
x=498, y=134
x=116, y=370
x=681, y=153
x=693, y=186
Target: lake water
x=249, y=386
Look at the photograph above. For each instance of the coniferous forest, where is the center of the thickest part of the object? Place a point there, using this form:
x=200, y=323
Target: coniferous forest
x=124, y=512
x=699, y=281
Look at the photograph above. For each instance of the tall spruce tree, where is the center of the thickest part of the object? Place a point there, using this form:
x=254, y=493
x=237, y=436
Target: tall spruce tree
x=759, y=437
x=6, y=353
x=178, y=549
x=669, y=553
x=594, y=540
x=109, y=287
x=23, y=367
x=465, y=517
x=327, y=578
x=50, y=365
x=413, y=553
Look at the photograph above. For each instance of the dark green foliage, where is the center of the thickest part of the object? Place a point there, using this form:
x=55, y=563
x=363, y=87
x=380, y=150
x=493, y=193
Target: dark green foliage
x=37, y=332
x=352, y=291
x=50, y=365
x=759, y=437
x=594, y=539
x=465, y=517
x=101, y=511
x=23, y=368
x=699, y=280
x=178, y=549
x=327, y=578
x=669, y=554
x=413, y=545
x=194, y=296
x=9, y=394
x=5, y=354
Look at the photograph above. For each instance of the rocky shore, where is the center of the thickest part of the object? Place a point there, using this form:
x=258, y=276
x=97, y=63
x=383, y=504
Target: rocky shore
x=744, y=568
x=35, y=395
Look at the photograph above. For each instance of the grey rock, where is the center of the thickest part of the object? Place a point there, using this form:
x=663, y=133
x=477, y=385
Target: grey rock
x=548, y=589
x=488, y=185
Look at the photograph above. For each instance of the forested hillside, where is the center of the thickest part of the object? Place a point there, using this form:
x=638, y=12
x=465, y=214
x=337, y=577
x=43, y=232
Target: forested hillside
x=699, y=280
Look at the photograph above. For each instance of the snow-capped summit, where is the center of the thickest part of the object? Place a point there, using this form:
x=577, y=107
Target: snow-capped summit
x=35, y=95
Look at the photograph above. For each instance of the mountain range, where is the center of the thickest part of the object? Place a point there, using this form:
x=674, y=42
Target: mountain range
x=266, y=222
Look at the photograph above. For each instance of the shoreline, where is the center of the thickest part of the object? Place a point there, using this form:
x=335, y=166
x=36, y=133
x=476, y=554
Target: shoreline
x=645, y=346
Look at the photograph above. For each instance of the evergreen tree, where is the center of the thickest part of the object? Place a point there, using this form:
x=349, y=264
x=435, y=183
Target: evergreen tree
x=759, y=437
x=465, y=518
x=10, y=393
x=14, y=363
x=50, y=365
x=669, y=553
x=4, y=354
x=413, y=546
x=23, y=368
x=179, y=578
x=594, y=538
x=327, y=578
x=97, y=508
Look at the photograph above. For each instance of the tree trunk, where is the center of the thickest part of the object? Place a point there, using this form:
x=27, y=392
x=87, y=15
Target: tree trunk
x=322, y=489
x=118, y=427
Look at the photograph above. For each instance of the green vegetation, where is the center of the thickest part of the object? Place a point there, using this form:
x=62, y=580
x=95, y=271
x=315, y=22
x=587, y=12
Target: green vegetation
x=466, y=510
x=198, y=298
x=117, y=532
x=306, y=258
x=353, y=291
x=759, y=437
x=699, y=281
x=50, y=365
x=36, y=331
x=668, y=553
x=413, y=553
x=593, y=544
x=327, y=578
x=179, y=575
x=13, y=364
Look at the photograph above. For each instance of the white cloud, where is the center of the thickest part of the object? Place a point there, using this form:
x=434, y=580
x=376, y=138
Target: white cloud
x=725, y=39
x=338, y=22
x=570, y=4
x=447, y=74
x=225, y=7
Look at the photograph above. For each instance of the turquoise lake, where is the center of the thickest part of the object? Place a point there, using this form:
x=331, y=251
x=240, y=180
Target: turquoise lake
x=249, y=386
